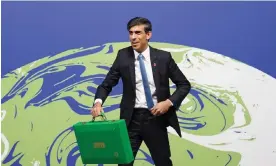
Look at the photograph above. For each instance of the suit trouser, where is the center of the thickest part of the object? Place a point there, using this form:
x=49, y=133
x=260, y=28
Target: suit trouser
x=145, y=127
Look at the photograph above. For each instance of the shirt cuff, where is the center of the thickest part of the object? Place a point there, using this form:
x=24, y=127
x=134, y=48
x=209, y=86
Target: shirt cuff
x=171, y=102
x=98, y=100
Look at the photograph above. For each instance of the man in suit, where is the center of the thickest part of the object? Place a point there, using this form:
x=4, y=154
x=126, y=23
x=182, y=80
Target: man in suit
x=146, y=105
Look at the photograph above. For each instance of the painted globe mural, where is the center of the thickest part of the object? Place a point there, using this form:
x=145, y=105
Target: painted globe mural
x=222, y=120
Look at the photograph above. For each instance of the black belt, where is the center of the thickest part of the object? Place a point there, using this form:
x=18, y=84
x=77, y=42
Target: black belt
x=142, y=109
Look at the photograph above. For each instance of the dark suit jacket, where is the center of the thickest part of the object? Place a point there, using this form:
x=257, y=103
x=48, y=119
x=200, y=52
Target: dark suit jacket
x=163, y=68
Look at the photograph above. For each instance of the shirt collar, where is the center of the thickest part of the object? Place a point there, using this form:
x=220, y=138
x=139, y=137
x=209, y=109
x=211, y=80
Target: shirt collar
x=145, y=53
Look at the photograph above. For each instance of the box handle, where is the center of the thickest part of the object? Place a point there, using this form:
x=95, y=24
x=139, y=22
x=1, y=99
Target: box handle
x=102, y=115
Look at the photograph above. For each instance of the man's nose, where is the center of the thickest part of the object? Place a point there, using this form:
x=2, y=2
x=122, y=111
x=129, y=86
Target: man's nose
x=133, y=36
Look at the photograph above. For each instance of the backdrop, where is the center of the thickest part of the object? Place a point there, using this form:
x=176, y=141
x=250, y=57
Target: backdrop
x=55, y=54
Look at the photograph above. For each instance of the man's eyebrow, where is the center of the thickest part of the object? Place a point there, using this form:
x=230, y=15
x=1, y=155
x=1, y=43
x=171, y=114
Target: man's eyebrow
x=135, y=31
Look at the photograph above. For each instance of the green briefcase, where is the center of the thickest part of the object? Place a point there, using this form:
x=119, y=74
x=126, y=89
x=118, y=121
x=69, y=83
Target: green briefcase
x=103, y=142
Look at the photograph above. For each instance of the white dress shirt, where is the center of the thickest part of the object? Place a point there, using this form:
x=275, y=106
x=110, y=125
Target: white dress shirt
x=140, y=101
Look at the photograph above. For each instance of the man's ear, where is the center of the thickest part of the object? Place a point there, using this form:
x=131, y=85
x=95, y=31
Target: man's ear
x=149, y=34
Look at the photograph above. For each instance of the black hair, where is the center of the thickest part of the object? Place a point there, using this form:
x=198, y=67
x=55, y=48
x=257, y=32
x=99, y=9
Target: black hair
x=140, y=21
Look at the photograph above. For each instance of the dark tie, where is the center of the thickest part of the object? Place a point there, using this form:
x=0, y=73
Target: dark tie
x=145, y=81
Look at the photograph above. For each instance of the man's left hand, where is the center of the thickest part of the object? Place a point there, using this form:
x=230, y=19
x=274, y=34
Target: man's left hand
x=161, y=108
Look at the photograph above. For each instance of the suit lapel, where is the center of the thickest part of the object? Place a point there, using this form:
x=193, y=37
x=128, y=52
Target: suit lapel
x=131, y=62
x=154, y=66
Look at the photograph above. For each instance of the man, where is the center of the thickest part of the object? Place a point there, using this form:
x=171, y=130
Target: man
x=146, y=105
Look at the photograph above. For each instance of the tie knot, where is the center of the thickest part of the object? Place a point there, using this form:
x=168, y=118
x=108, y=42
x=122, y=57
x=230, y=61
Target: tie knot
x=140, y=56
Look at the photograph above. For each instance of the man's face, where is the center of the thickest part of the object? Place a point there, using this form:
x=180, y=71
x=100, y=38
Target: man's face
x=139, y=38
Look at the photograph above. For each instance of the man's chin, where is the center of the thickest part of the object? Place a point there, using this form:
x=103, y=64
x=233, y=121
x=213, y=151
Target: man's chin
x=135, y=48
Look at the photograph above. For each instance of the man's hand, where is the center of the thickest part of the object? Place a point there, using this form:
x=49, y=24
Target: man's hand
x=161, y=108
x=96, y=110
